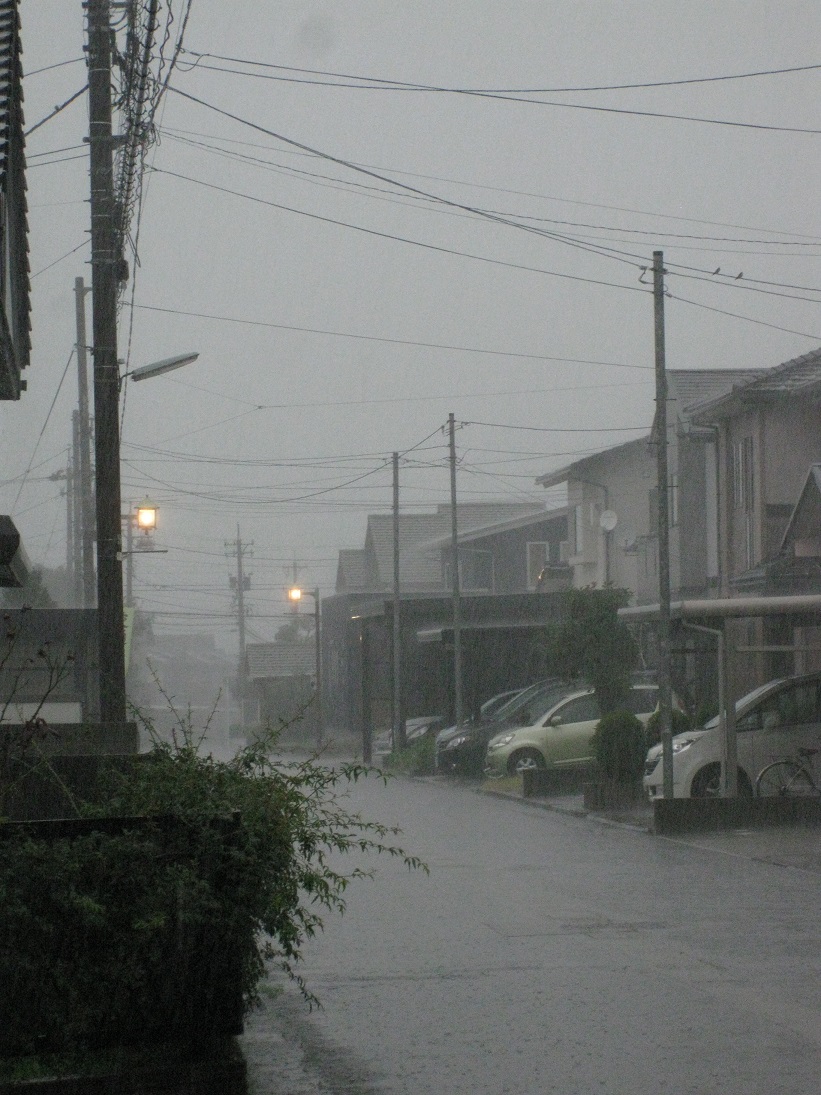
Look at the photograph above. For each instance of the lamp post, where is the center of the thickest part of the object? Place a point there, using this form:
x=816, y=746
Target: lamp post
x=145, y=521
x=295, y=595
x=110, y=607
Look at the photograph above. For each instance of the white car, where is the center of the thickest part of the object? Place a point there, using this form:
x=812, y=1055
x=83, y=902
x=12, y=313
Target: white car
x=772, y=722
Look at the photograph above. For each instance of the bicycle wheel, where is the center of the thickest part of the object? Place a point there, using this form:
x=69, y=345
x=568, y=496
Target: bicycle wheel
x=785, y=779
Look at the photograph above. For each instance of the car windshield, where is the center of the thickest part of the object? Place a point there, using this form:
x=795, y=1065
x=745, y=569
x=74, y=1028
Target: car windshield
x=541, y=704
x=745, y=701
x=518, y=701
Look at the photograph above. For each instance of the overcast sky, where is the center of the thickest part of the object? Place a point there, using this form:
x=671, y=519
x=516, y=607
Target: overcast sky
x=487, y=260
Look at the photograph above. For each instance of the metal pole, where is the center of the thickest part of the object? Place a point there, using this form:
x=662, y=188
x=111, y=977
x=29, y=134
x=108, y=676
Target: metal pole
x=85, y=492
x=318, y=643
x=399, y=738
x=665, y=695
x=457, y=600
x=104, y=265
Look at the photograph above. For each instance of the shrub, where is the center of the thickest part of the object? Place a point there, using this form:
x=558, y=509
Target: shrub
x=679, y=723
x=416, y=759
x=618, y=746
x=222, y=863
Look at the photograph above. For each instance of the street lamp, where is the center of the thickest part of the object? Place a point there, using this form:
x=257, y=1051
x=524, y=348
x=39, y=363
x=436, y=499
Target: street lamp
x=295, y=595
x=110, y=608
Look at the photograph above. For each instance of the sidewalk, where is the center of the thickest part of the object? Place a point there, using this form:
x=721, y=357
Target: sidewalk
x=797, y=847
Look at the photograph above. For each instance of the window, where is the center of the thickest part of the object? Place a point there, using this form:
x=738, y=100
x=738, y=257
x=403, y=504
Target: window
x=578, y=522
x=581, y=709
x=743, y=475
x=642, y=701
x=538, y=556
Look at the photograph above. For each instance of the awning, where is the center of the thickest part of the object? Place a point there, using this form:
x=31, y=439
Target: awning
x=722, y=608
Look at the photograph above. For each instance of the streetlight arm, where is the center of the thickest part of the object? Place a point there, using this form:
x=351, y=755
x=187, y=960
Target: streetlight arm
x=156, y=368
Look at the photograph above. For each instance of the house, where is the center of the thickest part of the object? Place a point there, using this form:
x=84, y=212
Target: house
x=281, y=678
x=768, y=434
x=510, y=570
x=613, y=499
x=768, y=444
x=15, y=324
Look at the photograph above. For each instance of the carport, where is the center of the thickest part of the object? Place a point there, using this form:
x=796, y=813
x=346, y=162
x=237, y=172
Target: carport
x=711, y=616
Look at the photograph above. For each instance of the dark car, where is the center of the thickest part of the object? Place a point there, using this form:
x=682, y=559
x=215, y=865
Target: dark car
x=461, y=750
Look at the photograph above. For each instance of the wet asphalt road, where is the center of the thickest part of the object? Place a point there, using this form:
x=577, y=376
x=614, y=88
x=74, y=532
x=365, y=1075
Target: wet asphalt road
x=547, y=953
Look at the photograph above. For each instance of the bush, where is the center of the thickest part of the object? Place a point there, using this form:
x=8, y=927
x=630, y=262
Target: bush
x=223, y=864
x=679, y=723
x=416, y=759
x=619, y=747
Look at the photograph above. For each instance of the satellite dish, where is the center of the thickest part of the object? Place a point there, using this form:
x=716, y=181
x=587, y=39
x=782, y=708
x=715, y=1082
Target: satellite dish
x=608, y=520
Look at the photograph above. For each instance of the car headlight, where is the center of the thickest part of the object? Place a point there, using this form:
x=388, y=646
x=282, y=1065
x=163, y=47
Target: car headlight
x=460, y=739
x=685, y=743
x=497, y=743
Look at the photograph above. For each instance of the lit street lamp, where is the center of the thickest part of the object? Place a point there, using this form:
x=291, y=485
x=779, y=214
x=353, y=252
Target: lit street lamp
x=110, y=607
x=295, y=595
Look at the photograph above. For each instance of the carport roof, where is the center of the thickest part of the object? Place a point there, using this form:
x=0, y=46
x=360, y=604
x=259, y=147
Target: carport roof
x=724, y=608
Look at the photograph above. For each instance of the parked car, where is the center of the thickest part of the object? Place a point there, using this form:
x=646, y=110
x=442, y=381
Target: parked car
x=416, y=728
x=772, y=722
x=562, y=736
x=462, y=749
x=490, y=707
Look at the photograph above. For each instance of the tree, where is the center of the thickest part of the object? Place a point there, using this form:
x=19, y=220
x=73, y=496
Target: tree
x=591, y=642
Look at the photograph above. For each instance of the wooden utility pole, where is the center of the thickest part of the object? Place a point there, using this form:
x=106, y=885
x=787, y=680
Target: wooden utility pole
x=457, y=599
x=399, y=739
x=104, y=283
x=662, y=480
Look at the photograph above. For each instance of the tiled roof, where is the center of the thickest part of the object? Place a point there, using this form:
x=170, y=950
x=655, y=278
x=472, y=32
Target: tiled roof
x=15, y=337
x=799, y=376
x=9, y=75
x=275, y=661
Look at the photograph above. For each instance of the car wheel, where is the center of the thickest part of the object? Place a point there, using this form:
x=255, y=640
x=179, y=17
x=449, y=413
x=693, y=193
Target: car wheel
x=707, y=782
x=524, y=760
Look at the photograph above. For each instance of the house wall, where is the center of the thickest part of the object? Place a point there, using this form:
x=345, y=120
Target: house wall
x=620, y=481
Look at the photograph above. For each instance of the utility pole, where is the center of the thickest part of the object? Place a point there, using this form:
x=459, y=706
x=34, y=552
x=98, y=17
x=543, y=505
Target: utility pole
x=457, y=599
x=399, y=739
x=243, y=582
x=662, y=479
x=72, y=499
x=104, y=284
x=85, y=492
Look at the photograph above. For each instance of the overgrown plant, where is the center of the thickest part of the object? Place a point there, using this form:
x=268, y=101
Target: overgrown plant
x=291, y=826
x=593, y=644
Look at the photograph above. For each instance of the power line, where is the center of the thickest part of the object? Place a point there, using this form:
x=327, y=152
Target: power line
x=391, y=341
x=510, y=96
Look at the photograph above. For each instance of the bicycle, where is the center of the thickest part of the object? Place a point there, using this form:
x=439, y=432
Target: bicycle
x=788, y=778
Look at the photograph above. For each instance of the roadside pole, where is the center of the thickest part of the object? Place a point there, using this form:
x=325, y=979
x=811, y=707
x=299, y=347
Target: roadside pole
x=662, y=479
x=457, y=599
x=399, y=739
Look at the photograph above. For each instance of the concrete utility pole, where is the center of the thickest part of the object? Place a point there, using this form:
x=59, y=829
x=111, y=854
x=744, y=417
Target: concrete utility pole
x=662, y=480
x=85, y=491
x=399, y=739
x=457, y=598
x=243, y=582
x=104, y=283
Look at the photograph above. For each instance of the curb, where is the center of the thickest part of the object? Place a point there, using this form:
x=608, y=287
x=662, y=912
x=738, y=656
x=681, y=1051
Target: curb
x=568, y=811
